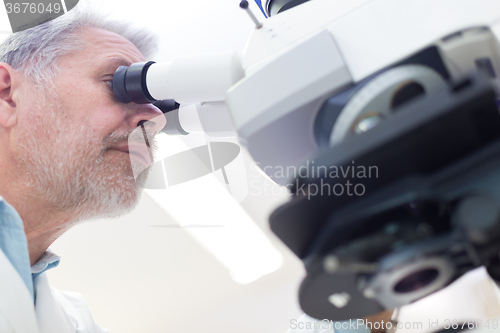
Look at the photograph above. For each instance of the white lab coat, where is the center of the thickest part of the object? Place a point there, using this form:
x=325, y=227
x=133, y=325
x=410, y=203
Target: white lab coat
x=55, y=311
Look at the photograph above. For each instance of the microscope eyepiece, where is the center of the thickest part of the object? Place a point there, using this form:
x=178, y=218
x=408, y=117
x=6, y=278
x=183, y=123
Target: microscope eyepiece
x=129, y=83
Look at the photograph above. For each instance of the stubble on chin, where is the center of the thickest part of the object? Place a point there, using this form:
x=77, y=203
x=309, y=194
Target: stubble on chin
x=70, y=168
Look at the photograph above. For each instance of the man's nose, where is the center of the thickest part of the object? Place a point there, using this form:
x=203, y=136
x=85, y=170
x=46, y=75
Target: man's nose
x=149, y=116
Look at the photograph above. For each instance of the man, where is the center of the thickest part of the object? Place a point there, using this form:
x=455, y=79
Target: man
x=64, y=156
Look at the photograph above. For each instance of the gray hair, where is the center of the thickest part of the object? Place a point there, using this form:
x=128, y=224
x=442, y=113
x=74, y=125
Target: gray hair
x=35, y=51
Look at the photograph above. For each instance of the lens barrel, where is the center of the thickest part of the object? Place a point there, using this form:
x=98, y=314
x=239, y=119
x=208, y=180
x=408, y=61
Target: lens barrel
x=129, y=83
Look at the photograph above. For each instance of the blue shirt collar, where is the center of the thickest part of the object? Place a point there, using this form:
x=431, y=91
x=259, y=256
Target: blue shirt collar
x=14, y=245
x=47, y=261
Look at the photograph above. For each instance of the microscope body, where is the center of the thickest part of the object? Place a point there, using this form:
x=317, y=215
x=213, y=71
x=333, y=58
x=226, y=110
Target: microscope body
x=299, y=59
x=372, y=83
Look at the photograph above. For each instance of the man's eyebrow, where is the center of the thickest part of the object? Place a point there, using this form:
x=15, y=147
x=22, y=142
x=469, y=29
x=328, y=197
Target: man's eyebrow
x=114, y=63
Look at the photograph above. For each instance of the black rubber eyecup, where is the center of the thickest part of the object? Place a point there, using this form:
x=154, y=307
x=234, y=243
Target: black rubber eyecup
x=129, y=83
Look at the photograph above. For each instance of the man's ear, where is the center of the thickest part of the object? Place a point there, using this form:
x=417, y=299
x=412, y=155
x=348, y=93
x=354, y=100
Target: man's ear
x=8, y=108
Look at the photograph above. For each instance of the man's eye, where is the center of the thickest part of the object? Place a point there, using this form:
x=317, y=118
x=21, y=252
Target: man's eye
x=110, y=84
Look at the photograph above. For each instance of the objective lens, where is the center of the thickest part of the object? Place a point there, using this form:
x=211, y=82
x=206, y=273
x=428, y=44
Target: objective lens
x=416, y=281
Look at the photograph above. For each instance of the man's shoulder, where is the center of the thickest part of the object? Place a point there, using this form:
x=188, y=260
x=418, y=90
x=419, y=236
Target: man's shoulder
x=74, y=306
x=75, y=302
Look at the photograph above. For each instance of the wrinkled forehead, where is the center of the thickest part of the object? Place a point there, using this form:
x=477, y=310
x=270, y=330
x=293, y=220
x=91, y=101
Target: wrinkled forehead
x=102, y=50
x=108, y=41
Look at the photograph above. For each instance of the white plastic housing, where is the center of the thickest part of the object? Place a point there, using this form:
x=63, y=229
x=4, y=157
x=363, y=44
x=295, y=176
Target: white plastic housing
x=192, y=79
x=214, y=119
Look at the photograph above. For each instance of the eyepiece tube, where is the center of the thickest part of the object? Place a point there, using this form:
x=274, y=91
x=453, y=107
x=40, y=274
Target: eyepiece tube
x=129, y=83
x=194, y=79
x=187, y=80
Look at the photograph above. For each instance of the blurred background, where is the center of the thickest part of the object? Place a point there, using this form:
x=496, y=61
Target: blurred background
x=189, y=259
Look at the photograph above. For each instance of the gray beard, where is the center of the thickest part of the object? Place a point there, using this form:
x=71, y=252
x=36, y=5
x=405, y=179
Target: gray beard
x=66, y=166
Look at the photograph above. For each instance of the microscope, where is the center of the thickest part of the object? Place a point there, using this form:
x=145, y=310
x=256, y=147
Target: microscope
x=381, y=117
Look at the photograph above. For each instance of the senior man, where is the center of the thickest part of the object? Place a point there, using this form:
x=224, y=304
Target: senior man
x=63, y=156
